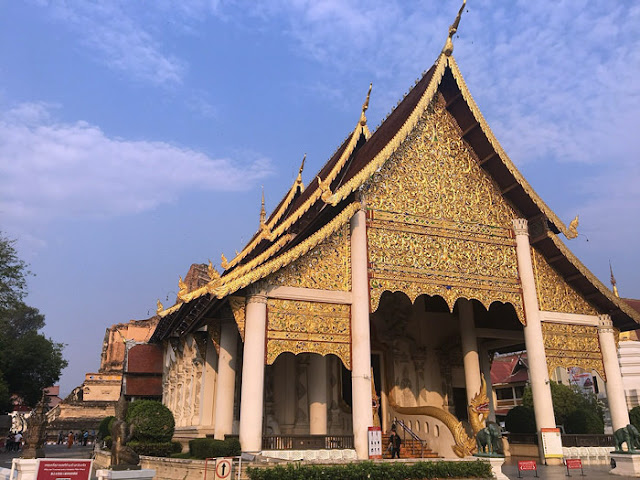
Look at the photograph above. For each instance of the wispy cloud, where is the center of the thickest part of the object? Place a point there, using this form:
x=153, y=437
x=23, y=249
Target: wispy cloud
x=51, y=170
x=120, y=41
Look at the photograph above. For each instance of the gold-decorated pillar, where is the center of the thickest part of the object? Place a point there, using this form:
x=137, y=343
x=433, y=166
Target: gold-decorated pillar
x=615, y=388
x=252, y=396
x=226, y=385
x=317, y=382
x=469, y=341
x=538, y=372
x=360, y=337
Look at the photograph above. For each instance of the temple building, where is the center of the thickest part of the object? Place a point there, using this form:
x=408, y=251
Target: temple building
x=380, y=292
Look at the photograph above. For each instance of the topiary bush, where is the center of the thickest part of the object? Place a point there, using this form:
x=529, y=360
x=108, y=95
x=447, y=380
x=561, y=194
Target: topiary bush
x=634, y=417
x=150, y=421
x=104, y=429
x=374, y=471
x=155, y=449
x=209, y=448
x=584, y=421
x=520, y=420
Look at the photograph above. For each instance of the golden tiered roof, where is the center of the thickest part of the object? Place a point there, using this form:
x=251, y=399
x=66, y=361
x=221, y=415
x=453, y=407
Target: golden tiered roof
x=306, y=217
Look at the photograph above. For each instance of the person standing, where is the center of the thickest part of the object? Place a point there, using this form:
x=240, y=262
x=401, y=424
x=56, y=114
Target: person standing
x=70, y=439
x=394, y=442
x=17, y=441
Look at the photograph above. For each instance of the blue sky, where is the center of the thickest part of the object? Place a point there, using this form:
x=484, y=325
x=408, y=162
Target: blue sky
x=135, y=136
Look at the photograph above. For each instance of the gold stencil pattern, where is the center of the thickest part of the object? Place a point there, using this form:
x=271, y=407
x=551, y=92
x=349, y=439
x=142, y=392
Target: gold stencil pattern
x=554, y=293
x=308, y=327
x=437, y=224
x=569, y=345
x=326, y=267
x=238, y=308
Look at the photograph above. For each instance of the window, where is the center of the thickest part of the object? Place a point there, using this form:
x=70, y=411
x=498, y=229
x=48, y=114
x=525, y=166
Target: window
x=504, y=393
x=519, y=391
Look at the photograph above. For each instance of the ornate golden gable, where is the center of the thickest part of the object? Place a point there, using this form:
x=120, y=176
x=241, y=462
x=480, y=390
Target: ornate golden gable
x=437, y=224
x=554, y=293
x=326, y=267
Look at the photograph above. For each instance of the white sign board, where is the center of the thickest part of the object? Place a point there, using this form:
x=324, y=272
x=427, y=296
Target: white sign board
x=551, y=442
x=223, y=468
x=375, y=442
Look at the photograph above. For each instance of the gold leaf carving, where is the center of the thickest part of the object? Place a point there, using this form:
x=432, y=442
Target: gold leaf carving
x=309, y=327
x=569, y=345
x=554, y=293
x=437, y=224
x=327, y=267
x=238, y=308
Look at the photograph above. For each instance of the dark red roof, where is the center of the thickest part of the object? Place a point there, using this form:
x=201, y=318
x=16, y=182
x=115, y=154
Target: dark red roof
x=509, y=369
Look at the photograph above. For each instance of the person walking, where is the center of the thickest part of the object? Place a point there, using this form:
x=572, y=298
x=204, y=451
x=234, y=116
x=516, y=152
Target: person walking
x=394, y=442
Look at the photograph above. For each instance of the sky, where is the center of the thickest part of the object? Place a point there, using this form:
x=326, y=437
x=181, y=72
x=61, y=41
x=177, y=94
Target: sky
x=135, y=136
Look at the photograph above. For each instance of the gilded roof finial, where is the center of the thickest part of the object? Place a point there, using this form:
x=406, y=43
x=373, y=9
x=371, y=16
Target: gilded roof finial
x=299, y=178
x=453, y=28
x=181, y=284
x=613, y=281
x=365, y=106
x=573, y=228
x=212, y=272
x=263, y=213
x=159, y=307
x=223, y=261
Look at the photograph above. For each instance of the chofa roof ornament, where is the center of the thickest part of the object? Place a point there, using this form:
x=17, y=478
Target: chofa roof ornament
x=448, y=46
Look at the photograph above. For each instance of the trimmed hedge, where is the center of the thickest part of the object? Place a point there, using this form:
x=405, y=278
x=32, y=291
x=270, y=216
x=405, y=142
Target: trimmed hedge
x=104, y=429
x=634, y=416
x=155, y=449
x=209, y=448
x=520, y=420
x=584, y=421
x=374, y=471
x=150, y=421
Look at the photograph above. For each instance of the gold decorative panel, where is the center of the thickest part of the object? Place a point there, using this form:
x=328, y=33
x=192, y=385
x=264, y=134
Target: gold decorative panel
x=308, y=327
x=554, y=293
x=569, y=345
x=238, y=308
x=326, y=267
x=437, y=224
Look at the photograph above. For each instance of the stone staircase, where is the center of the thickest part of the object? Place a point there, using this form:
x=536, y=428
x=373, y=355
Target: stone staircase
x=409, y=448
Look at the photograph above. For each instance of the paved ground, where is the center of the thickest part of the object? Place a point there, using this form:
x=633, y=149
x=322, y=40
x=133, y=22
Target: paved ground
x=592, y=472
x=51, y=451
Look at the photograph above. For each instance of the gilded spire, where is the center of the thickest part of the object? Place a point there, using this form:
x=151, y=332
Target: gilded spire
x=263, y=213
x=613, y=281
x=365, y=106
x=299, y=178
x=453, y=28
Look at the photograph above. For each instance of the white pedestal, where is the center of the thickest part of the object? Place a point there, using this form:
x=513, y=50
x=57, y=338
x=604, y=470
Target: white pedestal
x=144, y=474
x=496, y=466
x=26, y=468
x=627, y=464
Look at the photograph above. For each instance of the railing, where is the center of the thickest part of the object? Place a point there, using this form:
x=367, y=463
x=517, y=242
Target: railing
x=568, y=440
x=412, y=434
x=307, y=442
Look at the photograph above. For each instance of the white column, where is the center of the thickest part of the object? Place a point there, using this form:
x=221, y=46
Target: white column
x=252, y=396
x=485, y=365
x=360, y=337
x=470, y=357
x=226, y=386
x=208, y=387
x=615, y=388
x=317, y=382
x=536, y=356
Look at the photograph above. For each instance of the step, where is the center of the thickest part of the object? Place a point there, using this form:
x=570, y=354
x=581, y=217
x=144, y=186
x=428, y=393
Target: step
x=409, y=448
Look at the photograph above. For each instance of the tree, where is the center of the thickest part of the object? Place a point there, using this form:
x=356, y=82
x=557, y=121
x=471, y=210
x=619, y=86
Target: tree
x=567, y=400
x=29, y=362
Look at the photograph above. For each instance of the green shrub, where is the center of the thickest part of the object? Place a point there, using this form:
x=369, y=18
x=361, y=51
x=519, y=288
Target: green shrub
x=177, y=447
x=153, y=449
x=108, y=441
x=584, y=421
x=520, y=420
x=150, y=421
x=634, y=417
x=210, y=448
x=374, y=471
x=181, y=455
x=104, y=428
